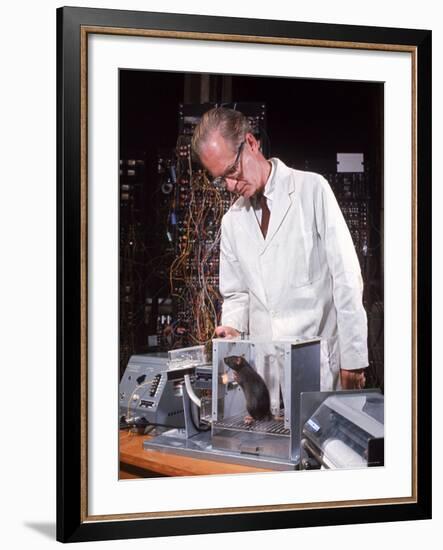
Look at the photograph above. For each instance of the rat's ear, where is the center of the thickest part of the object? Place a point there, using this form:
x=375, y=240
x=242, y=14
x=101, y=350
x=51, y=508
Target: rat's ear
x=238, y=361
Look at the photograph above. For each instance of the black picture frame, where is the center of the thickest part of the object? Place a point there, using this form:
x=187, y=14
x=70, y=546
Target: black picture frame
x=73, y=24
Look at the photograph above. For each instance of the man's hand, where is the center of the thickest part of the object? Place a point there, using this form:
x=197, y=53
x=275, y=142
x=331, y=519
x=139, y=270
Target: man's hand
x=352, y=379
x=226, y=332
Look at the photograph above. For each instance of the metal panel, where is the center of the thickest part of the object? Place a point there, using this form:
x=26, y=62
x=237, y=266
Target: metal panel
x=302, y=373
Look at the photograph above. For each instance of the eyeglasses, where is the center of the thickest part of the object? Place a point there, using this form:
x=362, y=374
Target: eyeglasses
x=220, y=181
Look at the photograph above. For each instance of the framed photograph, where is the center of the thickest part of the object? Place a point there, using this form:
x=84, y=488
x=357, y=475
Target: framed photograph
x=137, y=234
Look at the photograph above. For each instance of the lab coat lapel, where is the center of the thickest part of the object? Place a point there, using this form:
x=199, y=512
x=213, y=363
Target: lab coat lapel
x=250, y=225
x=283, y=197
x=282, y=200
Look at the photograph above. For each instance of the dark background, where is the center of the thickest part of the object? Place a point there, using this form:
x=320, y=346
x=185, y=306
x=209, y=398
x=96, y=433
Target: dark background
x=306, y=119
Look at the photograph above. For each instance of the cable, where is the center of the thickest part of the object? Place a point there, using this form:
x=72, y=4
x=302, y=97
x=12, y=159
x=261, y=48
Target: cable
x=191, y=392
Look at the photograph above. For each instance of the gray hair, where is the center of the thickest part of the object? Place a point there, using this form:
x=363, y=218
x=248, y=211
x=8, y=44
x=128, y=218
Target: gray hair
x=232, y=126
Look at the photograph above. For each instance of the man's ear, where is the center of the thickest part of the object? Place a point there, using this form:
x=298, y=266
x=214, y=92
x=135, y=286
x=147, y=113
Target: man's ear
x=252, y=142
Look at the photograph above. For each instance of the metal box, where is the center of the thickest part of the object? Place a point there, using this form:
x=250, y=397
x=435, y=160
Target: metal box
x=296, y=364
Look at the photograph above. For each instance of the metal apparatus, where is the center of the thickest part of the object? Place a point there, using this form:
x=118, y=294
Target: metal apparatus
x=145, y=397
x=269, y=443
x=279, y=437
x=203, y=408
x=151, y=390
x=342, y=429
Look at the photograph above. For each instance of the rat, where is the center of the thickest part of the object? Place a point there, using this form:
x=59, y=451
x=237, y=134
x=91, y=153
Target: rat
x=258, y=402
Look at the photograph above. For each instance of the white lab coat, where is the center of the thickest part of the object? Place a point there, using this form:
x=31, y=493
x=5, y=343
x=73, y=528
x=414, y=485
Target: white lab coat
x=303, y=280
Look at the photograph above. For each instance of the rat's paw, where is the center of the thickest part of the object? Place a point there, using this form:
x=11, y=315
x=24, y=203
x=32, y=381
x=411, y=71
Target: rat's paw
x=248, y=420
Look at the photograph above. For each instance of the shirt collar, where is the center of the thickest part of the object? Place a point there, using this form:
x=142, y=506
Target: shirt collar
x=270, y=183
x=268, y=189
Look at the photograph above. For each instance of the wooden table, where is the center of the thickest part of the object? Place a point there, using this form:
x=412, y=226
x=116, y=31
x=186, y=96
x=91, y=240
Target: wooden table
x=137, y=462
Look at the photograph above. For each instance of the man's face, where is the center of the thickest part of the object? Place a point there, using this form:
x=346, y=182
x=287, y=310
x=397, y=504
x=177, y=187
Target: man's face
x=238, y=166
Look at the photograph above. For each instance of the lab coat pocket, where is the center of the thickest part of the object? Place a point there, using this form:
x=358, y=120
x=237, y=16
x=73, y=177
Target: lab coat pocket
x=304, y=264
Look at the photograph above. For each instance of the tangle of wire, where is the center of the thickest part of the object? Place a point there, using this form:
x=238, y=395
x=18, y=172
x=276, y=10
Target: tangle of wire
x=194, y=272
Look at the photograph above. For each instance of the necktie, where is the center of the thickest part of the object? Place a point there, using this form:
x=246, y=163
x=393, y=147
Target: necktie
x=265, y=215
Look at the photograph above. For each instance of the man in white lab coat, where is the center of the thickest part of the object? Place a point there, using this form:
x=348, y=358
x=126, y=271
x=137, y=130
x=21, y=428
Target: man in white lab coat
x=288, y=266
